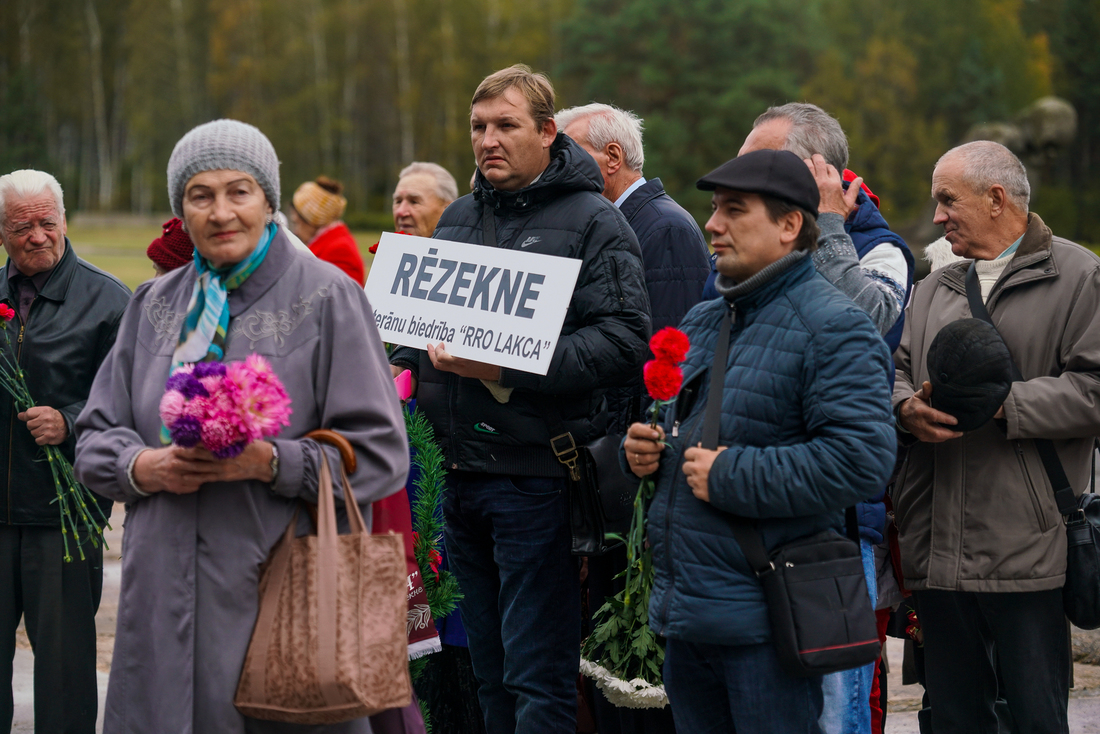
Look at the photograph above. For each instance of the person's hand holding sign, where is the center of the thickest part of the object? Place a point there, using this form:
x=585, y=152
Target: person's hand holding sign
x=445, y=362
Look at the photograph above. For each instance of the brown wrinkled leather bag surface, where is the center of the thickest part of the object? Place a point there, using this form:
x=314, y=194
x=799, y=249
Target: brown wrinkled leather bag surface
x=329, y=643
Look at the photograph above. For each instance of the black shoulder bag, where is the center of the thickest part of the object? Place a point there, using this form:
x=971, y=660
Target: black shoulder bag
x=601, y=497
x=1081, y=593
x=818, y=603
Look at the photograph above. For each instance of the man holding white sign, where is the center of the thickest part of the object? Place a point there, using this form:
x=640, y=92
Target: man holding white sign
x=507, y=536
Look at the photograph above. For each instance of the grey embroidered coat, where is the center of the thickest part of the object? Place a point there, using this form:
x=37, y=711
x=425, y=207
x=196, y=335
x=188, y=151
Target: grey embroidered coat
x=190, y=563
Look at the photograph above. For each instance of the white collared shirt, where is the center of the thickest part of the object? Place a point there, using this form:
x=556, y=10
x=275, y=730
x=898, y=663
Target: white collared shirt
x=629, y=190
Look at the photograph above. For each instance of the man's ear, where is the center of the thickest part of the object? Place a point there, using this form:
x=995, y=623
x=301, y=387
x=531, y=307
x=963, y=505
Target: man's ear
x=549, y=132
x=614, y=153
x=998, y=200
x=790, y=226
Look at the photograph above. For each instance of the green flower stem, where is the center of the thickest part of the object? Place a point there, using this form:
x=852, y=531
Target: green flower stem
x=621, y=640
x=74, y=500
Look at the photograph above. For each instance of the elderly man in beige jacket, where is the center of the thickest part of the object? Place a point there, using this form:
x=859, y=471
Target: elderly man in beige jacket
x=982, y=542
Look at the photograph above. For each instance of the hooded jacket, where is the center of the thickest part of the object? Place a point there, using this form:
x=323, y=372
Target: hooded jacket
x=805, y=416
x=602, y=342
x=69, y=330
x=977, y=513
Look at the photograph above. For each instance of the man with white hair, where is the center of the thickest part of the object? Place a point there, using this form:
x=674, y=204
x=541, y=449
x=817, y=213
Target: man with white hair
x=66, y=316
x=674, y=250
x=423, y=191
x=983, y=546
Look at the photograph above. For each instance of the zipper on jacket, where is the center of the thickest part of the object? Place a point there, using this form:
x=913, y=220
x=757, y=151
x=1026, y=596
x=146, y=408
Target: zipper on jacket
x=615, y=278
x=732, y=311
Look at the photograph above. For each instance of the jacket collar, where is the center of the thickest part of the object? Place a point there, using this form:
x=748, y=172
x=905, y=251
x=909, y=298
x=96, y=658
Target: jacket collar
x=280, y=255
x=768, y=283
x=1034, y=249
x=57, y=287
x=644, y=194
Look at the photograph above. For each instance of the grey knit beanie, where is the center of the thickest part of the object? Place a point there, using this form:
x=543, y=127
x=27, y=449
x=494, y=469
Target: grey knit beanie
x=223, y=145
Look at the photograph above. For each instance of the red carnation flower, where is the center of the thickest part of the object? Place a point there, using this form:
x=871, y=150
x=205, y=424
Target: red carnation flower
x=670, y=344
x=7, y=313
x=662, y=379
x=434, y=559
x=373, y=249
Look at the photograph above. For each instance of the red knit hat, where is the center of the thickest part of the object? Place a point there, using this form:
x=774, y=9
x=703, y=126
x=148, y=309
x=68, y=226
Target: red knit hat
x=173, y=249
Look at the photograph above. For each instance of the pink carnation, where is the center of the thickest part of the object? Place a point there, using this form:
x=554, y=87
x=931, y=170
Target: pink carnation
x=171, y=407
x=197, y=408
x=219, y=433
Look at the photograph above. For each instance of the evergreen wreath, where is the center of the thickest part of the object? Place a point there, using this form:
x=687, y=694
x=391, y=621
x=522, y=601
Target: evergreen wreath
x=440, y=586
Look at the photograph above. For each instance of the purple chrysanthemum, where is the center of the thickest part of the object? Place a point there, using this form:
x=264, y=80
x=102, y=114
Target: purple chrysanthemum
x=209, y=369
x=186, y=432
x=230, y=452
x=186, y=384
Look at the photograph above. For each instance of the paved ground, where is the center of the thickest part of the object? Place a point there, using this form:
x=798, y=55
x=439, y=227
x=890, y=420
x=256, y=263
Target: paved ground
x=1084, y=708
x=905, y=701
x=23, y=679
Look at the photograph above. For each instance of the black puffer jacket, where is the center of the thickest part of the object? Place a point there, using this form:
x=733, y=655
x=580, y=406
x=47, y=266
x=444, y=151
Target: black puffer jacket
x=70, y=328
x=603, y=339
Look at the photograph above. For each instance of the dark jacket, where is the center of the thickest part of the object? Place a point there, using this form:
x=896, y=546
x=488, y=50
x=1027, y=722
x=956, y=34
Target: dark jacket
x=867, y=229
x=677, y=263
x=603, y=339
x=69, y=330
x=674, y=252
x=806, y=419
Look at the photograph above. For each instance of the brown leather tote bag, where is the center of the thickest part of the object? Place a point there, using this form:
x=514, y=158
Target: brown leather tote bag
x=329, y=643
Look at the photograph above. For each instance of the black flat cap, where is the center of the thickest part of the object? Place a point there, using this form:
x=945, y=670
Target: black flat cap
x=970, y=369
x=777, y=173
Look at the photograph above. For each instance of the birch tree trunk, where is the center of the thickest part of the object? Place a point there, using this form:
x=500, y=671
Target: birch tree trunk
x=26, y=17
x=348, y=149
x=452, y=132
x=185, y=80
x=404, y=82
x=99, y=108
x=320, y=86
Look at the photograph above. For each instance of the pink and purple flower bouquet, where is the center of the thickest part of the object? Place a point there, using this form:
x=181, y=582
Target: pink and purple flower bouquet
x=224, y=407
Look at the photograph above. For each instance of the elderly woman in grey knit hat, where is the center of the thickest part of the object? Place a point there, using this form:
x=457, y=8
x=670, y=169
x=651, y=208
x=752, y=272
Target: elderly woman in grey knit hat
x=198, y=527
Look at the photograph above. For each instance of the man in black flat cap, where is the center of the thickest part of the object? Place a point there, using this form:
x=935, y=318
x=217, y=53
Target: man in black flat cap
x=983, y=546
x=804, y=431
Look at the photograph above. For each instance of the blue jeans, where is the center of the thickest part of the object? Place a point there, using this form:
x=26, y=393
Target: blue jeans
x=848, y=693
x=721, y=689
x=509, y=544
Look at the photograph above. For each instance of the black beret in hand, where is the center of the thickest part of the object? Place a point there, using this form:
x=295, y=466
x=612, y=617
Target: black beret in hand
x=970, y=369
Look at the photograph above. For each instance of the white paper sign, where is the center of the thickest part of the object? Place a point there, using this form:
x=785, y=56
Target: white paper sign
x=503, y=307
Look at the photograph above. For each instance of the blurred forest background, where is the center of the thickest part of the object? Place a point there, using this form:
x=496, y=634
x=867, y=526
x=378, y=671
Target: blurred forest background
x=99, y=91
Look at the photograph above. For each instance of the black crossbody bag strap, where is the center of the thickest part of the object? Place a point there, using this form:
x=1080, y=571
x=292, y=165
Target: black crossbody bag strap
x=744, y=531
x=1059, y=483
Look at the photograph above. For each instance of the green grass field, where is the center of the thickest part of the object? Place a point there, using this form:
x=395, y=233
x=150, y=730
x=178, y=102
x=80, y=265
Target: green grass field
x=120, y=248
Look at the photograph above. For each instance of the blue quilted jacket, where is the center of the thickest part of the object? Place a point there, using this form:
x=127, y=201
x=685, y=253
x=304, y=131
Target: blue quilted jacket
x=806, y=417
